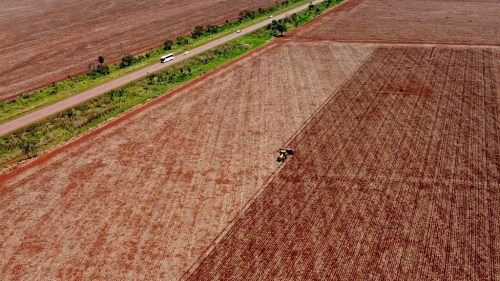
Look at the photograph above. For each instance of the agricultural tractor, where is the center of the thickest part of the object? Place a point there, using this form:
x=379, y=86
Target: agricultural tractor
x=283, y=154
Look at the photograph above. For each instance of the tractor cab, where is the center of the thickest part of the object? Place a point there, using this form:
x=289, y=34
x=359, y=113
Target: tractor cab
x=283, y=154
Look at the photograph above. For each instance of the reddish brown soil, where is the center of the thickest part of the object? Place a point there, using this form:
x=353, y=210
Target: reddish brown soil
x=397, y=177
x=45, y=41
x=475, y=21
x=143, y=197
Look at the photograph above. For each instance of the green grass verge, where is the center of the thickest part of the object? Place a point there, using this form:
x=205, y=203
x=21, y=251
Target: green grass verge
x=59, y=128
x=30, y=102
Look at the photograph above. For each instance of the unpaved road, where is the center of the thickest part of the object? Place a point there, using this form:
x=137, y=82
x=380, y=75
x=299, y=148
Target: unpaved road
x=79, y=98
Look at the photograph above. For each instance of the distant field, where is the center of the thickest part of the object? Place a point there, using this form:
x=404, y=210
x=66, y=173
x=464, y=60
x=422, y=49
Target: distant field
x=396, y=177
x=143, y=198
x=475, y=21
x=45, y=41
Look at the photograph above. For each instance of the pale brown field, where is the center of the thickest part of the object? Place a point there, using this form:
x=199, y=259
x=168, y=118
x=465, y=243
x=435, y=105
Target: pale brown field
x=397, y=177
x=143, y=197
x=45, y=41
x=431, y=21
x=396, y=173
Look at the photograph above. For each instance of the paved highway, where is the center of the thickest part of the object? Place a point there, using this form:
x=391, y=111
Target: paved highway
x=84, y=96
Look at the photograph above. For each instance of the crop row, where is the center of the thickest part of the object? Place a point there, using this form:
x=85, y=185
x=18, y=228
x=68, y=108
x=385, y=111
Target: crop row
x=396, y=175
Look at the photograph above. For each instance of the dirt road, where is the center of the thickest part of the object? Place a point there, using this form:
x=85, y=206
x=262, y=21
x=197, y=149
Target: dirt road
x=77, y=99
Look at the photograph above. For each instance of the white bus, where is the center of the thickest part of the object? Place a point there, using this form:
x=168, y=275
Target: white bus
x=166, y=58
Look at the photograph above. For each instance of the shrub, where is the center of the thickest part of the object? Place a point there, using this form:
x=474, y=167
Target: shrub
x=182, y=41
x=212, y=29
x=29, y=148
x=197, y=32
x=167, y=45
x=127, y=61
x=101, y=70
x=245, y=14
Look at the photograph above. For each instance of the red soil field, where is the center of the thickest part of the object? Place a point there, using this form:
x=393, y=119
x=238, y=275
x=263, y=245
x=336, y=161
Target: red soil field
x=45, y=41
x=443, y=21
x=397, y=177
x=143, y=197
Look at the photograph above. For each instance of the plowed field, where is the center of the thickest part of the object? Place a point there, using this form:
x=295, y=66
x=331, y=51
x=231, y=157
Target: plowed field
x=396, y=173
x=45, y=41
x=442, y=21
x=143, y=197
x=397, y=177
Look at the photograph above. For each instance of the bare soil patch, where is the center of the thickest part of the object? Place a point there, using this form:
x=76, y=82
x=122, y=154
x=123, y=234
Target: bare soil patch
x=145, y=197
x=447, y=21
x=396, y=177
x=45, y=41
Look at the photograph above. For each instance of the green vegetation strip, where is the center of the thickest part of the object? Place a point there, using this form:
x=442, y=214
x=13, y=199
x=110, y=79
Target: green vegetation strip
x=100, y=73
x=59, y=128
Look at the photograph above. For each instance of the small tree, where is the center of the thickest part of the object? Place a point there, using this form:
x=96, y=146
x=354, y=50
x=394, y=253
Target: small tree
x=100, y=59
x=281, y=27
x=311, y=6
x=278, y=27
x=167, y=45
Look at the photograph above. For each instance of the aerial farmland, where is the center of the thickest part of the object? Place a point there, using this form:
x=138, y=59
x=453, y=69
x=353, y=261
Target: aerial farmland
x=448, y=21
x=206, y=150
x=45, y=41
x=395, y=173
